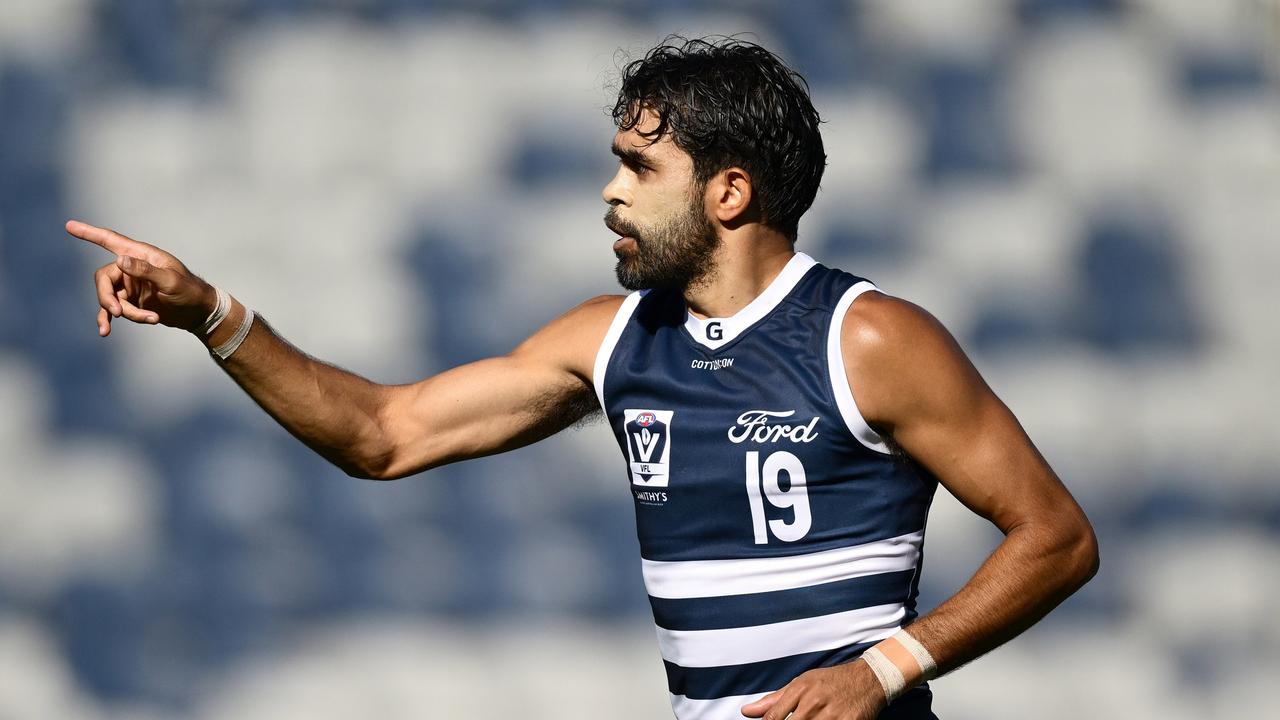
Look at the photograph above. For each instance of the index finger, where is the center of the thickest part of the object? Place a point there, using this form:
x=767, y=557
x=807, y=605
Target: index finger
x=102, y=237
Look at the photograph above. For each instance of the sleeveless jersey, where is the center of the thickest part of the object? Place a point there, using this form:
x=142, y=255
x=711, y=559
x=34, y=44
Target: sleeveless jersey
x=778, y=532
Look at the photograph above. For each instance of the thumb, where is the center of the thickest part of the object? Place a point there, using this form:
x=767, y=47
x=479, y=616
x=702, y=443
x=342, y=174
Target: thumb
x=760, y=707
x=143, y=270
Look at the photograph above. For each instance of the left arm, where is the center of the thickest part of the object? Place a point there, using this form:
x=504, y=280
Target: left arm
x=916, y=386
x=913, y=384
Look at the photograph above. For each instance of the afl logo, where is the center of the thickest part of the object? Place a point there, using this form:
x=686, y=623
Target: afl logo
x=648, y=437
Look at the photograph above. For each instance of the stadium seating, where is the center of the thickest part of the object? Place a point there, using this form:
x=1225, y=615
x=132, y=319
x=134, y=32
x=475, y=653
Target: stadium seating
x=1082, y=190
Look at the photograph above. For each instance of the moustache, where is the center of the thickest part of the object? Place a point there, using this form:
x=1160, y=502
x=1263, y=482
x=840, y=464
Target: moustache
x=620, y=226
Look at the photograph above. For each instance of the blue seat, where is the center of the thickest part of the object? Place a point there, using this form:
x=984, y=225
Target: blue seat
x=1134, y=290
x=966, y=122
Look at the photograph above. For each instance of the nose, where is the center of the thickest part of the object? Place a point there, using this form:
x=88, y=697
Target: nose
x=615, y=191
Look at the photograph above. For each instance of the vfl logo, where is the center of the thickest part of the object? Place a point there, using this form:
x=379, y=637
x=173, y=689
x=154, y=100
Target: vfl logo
x=648, y=445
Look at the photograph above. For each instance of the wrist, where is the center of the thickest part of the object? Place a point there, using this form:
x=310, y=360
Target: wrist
x=224, y=351
x=899, y=663
x=208, y=298
x=869, y=683
x=227, y=327
x=210, y=309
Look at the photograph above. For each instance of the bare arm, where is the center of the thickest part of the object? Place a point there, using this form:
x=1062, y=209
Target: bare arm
x=914, y=386
x=365, y=428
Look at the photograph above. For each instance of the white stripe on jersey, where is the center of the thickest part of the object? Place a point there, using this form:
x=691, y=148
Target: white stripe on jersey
x=738, y=646
x=840, y=380
x=716, y=578
x=725, y=708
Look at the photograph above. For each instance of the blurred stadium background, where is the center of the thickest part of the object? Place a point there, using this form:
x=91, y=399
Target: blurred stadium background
x=1086, y=192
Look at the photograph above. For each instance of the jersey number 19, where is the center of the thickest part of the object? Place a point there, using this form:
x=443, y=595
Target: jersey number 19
x=762, y=483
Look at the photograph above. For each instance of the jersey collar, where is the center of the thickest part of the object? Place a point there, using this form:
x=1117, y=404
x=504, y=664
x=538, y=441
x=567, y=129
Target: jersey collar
x=714, y=333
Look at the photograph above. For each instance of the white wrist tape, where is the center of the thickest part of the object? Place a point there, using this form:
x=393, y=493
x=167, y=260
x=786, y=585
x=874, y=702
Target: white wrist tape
x=220, y=311
x=928, y=668
x=893, y=673
x=225, y=350
x=890, y=677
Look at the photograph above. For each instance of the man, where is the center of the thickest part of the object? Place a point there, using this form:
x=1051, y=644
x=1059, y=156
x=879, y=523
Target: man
x=784, y=424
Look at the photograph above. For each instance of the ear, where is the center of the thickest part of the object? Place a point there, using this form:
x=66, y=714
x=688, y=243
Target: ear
x=729, y=195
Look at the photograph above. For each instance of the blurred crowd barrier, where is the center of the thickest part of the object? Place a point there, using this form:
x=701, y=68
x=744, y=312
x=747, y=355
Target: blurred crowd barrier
x=1083, y=191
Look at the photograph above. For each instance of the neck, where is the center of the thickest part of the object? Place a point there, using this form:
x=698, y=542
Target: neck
x=744, y=265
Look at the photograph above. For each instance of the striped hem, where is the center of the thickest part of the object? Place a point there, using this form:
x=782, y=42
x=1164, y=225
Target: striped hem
x=757, y=677
x=734, y=646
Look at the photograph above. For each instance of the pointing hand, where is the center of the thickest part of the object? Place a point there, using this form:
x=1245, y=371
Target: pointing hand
x=144, y=284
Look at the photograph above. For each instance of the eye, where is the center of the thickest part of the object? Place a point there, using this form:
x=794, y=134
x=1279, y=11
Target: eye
x=634, y=166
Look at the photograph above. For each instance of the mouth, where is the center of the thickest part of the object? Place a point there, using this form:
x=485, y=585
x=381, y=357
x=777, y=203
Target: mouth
x=618, y=226
x=625, y=237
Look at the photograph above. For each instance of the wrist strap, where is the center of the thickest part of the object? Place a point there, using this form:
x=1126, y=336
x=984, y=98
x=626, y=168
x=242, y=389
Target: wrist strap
x=225, y=350
x=891, y=679
x=220, y=311
x=928, y=667
x=898, y=658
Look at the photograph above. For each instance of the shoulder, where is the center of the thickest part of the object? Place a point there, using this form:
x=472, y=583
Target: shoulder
x=598, y=309
x=879, y=324
x=572, y=339
x=900, y=360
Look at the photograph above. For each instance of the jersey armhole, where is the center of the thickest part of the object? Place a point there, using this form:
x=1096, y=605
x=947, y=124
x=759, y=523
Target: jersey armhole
x=610, y=341
x=853, y=419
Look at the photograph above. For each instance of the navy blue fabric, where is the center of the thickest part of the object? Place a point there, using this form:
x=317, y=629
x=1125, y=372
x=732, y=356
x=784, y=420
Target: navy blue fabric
x=856, y=494
x=708, y=683
x=692, y=502
x=915, y=704
x=770, y=675
x=715, y=613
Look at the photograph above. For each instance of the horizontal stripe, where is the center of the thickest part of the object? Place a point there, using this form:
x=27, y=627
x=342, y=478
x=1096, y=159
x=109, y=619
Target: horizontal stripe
x=733, y=646
x=757, y=677
x=716, y=578
x=725, y=708
x=779, y=606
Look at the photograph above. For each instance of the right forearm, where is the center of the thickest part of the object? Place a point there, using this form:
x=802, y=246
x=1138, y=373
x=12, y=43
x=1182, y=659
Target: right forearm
x=368, y=430
x=336, y=413
x=332, y=411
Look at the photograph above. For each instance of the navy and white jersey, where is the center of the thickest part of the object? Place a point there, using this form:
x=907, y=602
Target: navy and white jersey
x=778, y=532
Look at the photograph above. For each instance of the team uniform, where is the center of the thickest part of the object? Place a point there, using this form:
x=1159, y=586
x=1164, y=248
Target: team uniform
x=778, y=532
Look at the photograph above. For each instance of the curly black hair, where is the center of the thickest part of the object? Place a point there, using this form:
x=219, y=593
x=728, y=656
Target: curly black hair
x=731, y=103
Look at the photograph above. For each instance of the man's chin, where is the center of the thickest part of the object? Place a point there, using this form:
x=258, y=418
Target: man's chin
x=632, y=277
x=627, y=277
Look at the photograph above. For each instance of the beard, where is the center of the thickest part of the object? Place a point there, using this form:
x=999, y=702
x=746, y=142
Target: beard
x=675, y=253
